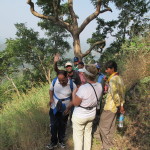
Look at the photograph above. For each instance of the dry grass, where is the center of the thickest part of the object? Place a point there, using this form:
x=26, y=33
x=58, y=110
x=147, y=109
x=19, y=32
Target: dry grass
x=136, y=61
x=136, y=67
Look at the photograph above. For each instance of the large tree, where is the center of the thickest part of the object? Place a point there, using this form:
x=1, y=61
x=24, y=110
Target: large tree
x=62, y=14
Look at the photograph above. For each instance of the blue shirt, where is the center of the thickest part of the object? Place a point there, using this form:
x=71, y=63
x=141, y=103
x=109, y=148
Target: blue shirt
x=100, y=78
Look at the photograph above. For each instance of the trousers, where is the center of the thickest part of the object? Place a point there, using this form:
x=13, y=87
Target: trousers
x=82, y=129
x=58, y=124
x=107, y=128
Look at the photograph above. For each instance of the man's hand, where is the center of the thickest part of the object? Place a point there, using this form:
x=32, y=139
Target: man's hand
x=51, y=101
x=122, y=111
x=56, y=57
x=66, y=112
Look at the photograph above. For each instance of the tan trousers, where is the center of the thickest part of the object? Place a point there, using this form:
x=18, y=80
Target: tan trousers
x=107, y=128
x=82, y=129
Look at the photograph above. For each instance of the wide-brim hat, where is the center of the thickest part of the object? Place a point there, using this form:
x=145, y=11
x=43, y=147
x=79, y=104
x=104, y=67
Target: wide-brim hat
x=90, y=70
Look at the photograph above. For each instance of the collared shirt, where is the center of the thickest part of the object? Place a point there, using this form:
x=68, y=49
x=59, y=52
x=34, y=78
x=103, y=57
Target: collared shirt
x=115, y=95
x=61, y=92
x=75, y=67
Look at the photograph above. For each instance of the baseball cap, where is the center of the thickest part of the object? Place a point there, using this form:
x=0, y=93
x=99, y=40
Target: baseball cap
x=76, y=59
x=68, y=64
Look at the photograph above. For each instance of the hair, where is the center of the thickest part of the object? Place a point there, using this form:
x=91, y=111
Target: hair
x=63, y=72
x=81, y=63
x=111, y=64
x=92, y=69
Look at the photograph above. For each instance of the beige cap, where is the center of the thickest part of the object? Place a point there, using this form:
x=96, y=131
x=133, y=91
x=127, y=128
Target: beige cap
x=68, y=64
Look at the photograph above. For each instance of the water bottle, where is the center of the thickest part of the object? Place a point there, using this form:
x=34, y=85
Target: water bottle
x=121, y=119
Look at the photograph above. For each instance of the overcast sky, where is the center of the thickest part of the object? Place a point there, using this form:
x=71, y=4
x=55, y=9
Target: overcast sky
x=18, y=11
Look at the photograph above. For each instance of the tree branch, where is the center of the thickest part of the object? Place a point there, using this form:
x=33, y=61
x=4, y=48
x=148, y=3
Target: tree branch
x=44, y=69
x=107, y=9
x=72, y=13
x=51, y=18
x=56, y=5
x=91, y=48
x=91, y=17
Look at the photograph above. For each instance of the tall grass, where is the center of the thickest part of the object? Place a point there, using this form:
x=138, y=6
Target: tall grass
x=138, y=114
x=25, y=121
x=134, y=60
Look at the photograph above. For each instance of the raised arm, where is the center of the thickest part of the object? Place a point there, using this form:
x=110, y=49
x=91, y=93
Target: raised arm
x=56, y=59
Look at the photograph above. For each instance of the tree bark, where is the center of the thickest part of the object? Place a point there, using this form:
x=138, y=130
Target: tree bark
x=77, y=47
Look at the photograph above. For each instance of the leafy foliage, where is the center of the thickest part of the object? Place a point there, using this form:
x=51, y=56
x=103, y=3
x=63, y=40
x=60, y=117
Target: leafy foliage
x=130, y=22
x=28, y=59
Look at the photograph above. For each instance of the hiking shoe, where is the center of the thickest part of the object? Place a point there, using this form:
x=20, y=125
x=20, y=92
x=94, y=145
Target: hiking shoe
x=51, y=146
x=62, y=145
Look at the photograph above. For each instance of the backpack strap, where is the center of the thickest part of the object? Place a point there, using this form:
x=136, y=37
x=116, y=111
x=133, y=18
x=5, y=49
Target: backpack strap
x=71, y=85
x=54, y=81
x=94, y=91
x=89, y=108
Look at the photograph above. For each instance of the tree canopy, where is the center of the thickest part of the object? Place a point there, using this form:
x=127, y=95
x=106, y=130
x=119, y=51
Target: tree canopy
x=32, y=55
x=61, y=13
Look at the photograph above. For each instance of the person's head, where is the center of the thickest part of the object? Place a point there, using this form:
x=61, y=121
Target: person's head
x=68, y=67
x=80, y=65
x=110, y=67
x=90, y=72
x=62, y=77
x=76, y=60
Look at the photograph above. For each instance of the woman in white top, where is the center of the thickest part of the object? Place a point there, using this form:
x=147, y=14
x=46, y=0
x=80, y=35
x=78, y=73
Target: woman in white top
x=85, y=102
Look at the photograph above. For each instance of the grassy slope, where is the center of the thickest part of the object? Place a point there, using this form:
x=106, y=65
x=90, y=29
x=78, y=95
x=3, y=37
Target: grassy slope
x=25, y=122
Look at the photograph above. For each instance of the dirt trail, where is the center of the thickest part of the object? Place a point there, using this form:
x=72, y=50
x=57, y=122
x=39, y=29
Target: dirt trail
x=119, y=143
x=69, y=140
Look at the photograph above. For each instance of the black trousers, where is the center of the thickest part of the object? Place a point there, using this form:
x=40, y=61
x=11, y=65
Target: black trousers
x=58, y=124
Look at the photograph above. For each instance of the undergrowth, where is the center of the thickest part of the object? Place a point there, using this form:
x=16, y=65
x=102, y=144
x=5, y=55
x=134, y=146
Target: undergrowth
x=25, y=121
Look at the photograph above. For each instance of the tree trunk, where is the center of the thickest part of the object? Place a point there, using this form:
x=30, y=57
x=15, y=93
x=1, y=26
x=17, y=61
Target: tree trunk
x=14, y=85
x=47, y=75
x=77, y=47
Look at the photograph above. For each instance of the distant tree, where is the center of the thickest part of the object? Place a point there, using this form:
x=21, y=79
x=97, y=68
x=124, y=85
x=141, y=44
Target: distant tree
x=131, y=21
x=35, y=54
x=8, y=67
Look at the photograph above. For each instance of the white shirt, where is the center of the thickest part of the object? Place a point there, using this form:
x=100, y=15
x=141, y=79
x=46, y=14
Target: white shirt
x=61, y=92
x=87, y=94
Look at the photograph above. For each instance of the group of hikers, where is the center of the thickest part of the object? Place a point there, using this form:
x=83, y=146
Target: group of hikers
x=76, y=93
